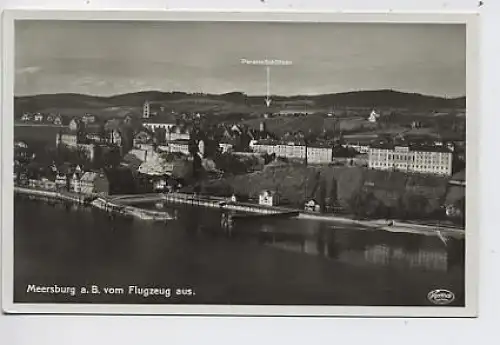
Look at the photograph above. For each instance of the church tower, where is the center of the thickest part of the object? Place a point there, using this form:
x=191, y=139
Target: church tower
x=146, y=110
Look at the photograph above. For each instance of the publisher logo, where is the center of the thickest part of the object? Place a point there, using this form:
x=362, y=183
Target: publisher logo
x=441, y=296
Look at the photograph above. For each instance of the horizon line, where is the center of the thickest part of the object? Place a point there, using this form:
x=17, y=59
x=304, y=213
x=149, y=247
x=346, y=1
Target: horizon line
x=248, y=95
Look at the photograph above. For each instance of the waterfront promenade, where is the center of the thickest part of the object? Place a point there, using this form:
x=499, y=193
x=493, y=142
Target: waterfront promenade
x=93, y=200
x=224, y=204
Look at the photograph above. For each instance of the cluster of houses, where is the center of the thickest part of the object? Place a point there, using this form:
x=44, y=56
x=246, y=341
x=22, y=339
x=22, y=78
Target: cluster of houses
x=40, y=118
x=53, y=119
x=86, y=134
x=66, y=178
x=164, y=131
x=233, y=138
x=272, y=198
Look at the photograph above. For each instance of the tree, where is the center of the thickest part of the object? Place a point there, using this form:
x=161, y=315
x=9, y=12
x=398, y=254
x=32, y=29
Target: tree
x=322, y=195
x=415, y=205
x=160, y=136
x=356, y=203
x=366, y=204
x=127, y=133
x=460, y=206
x=112, y=157
x=333, y=192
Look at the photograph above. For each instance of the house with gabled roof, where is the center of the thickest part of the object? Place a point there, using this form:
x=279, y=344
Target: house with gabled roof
x=268, y=198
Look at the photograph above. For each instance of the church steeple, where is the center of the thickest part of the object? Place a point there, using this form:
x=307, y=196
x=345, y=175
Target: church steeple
x=146, y=110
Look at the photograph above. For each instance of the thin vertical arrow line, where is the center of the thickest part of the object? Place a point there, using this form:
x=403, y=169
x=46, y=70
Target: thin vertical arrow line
x=268, y=89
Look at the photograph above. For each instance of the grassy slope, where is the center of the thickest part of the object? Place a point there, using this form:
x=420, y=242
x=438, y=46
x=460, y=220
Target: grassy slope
x=295, y=182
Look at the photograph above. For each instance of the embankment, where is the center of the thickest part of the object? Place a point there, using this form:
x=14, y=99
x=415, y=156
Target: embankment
x=298, y=183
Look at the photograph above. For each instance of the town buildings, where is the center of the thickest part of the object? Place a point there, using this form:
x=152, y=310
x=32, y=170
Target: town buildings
x=41, y=118
x=411, y=158
x=374, y=116
x=157, y=120
x=58, y=120
x=160, y=122
x=178, y=132
x=180, y=146
x=38, y=117
x=88, y=118
x=80, y=136
x=226, y=145
x=142, y=137
x=26, y=117
x=316, y=153
x=89, y=182
x=319, y=153
x=312, y=206
x=289, y=149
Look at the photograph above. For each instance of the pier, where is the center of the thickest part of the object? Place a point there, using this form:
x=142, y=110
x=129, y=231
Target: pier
x=109, y=206
x=124, y=205
x=247, y=210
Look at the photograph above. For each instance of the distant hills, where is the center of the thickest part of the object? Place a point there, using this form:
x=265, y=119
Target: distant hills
x=235, y=101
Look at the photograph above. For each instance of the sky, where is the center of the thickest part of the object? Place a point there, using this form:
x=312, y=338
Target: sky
x=109, y=58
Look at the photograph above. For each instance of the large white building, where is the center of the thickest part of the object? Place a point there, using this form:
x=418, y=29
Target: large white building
x=319, y=154
x=159, y=122
x=280, y=149
x=316, y=153
x=417, y=159
x=180, y=146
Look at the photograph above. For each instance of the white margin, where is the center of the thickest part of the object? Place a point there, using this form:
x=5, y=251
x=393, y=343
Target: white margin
x=471, y=19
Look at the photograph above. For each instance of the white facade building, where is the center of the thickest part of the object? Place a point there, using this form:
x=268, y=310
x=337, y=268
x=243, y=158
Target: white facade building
x=427, y=160
x=319, y=154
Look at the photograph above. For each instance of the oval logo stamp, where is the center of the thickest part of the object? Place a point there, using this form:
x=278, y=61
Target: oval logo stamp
x=441, y=296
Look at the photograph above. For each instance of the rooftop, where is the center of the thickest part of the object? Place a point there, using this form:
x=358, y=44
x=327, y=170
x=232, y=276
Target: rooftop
x=162, y=118
x=321, y=145
x=180, y=141
x=412, y=147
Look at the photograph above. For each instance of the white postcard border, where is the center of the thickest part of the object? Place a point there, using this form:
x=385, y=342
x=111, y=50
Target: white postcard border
x=472, y=168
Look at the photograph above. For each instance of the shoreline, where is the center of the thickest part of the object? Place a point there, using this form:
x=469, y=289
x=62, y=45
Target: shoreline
x=103, y=205
x=100, y=202
x=398, y=226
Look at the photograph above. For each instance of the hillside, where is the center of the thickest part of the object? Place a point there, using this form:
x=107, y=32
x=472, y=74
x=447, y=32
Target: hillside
x=234, y=102
x=296, y=184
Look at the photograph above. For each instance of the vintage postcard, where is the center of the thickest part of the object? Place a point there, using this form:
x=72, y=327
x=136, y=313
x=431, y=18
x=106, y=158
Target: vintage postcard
x=240, y=163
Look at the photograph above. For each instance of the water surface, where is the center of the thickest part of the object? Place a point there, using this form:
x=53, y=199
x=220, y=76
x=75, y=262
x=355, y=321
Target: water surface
x=290, y=261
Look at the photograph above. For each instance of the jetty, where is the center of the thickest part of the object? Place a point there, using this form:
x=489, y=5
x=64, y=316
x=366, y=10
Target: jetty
x=127, y=205
x=145, y=214
x=245, y=210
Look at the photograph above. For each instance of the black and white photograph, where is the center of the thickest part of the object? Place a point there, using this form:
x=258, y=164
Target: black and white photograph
x=239, y=164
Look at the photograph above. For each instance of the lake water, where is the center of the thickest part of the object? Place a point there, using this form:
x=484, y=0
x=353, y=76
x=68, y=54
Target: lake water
x=264, y=262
